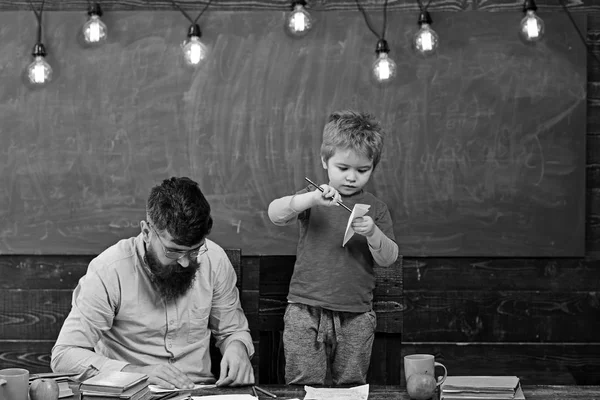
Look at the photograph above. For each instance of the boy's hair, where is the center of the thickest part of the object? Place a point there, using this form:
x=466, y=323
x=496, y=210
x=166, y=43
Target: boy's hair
x=349, y=129
x=179, y=206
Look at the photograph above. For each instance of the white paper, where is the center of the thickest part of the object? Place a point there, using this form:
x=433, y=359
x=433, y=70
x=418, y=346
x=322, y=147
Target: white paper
x=160, y=389
x=225, y=397
x=357, y=211
x=354, y=393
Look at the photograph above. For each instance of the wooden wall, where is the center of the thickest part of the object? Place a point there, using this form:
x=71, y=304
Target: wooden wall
x=536, y=318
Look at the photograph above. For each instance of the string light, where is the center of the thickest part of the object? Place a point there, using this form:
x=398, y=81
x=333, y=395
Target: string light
x=39, y=72
x=383, y=70
x=531, y=28
x=194, y=51
x=94, y=30
x=299, y=21
x=426, y=39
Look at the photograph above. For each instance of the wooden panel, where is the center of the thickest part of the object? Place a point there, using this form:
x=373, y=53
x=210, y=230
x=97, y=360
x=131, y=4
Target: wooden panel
x=386, y=363
x=544, y=274
x=501, y=316
x=548, y=363
x=42, y=272
x=31, y=355
x=33, y=314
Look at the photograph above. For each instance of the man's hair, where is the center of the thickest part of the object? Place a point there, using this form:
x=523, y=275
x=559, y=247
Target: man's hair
x=359, y=132
x=179, y=206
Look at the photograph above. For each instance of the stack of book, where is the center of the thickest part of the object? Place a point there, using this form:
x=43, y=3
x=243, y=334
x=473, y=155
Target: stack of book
x=64, y=389
x=481, y=388
x=116, y=385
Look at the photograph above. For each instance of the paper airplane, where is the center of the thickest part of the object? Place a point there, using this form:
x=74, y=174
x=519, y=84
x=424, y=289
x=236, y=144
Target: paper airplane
x=357, y=211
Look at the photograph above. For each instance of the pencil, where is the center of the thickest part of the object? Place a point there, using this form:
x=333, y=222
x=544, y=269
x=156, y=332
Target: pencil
x=264, y=391
x=254, y=391
x=319, y=187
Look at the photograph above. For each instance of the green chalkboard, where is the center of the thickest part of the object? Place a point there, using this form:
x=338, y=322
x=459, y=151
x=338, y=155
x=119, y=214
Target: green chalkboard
x=484, y=156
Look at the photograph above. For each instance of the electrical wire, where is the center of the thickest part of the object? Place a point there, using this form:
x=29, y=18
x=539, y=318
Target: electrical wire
x=38, y=15
x=193, y=21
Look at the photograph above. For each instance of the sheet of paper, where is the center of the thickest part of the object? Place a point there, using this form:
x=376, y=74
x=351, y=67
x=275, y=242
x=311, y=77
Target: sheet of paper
x=357, y=211
x=160, y=389
x=353, y=393
x=225, y=397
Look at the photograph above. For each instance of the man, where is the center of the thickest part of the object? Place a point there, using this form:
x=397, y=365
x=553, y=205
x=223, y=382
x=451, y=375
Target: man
x=149, y=303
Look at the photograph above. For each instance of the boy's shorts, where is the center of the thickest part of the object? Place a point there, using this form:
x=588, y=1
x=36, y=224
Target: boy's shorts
x=315, y=339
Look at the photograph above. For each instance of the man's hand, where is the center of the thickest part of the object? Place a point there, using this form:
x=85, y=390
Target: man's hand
x=236, y=369
x=166, y=376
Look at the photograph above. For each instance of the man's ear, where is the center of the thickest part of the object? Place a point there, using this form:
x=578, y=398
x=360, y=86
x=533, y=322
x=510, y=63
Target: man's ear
x=145, y=231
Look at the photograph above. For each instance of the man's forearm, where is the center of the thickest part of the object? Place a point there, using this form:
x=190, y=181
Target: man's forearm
x=84, y=362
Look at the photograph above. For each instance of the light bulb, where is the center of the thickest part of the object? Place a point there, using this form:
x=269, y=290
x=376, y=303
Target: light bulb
x=194, y=51
x=39, y=72
x=384, y=68
x=94, y=30
x=531, y=28
x=426, y=40
x=299, y=21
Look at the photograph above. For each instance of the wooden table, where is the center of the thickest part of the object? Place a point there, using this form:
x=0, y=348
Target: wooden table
x=399, y=393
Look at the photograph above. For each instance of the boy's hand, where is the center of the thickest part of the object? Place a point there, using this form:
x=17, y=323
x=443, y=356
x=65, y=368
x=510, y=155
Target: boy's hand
x=328, y=197
x=364, y=226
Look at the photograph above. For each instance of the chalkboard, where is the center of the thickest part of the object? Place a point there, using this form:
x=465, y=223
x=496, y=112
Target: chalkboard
x=484, y=156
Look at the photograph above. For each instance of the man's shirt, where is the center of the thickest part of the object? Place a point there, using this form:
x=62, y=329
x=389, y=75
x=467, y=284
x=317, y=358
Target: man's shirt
x=118, y=317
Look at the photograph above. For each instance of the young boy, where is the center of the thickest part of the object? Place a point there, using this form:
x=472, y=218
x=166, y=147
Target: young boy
x=329, y=320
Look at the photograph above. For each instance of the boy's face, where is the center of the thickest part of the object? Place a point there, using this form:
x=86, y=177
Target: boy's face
x=348, y=171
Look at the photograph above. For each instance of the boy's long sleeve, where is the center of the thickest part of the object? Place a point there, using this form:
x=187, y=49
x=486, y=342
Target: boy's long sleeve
x=383, y=249
x=281, y=212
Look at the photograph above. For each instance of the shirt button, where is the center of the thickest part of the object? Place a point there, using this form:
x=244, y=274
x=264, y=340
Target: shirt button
x=171, y=322
x=170, y=345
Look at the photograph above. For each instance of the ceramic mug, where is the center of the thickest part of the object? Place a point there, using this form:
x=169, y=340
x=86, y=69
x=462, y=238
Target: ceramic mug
x=423, y=364
x=14, y=384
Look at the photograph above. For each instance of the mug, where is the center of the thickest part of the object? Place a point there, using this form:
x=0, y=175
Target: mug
x=423, y=364
x=14, y=384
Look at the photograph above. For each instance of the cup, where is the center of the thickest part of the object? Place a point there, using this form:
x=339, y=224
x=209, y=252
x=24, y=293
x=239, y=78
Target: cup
x=423, y=364
x=14, y=384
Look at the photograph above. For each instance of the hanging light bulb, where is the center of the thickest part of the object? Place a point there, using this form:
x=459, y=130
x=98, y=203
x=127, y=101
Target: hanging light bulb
x=94, y=30
x=194, y=51
x=39, y=72
x=531, y=28
x=426, y=40
x=299, y=21
x=384, y=68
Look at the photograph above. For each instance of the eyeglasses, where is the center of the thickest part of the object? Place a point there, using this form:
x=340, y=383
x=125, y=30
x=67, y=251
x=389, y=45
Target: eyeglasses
x=178, y=255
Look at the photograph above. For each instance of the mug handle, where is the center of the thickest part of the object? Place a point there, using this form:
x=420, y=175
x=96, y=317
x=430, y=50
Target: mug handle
x=437, y=364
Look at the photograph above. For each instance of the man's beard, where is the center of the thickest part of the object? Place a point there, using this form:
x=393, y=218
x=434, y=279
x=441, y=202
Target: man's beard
x=172, y=280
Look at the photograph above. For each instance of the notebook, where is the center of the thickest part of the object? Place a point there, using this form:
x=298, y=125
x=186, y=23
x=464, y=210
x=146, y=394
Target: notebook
x=481, y=388
x=114, y=382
